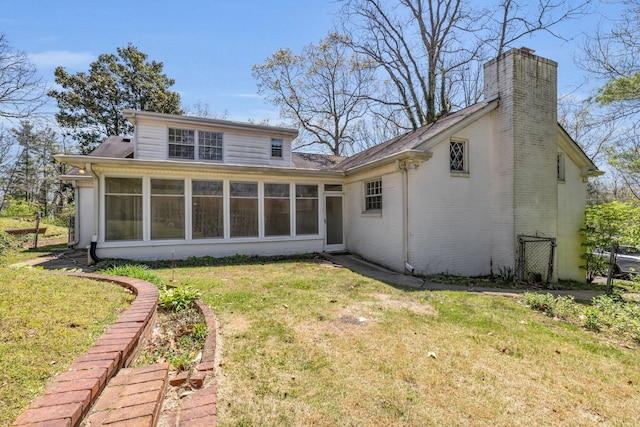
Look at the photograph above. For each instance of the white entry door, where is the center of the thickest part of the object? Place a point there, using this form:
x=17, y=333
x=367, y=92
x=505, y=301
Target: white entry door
x=334, y=224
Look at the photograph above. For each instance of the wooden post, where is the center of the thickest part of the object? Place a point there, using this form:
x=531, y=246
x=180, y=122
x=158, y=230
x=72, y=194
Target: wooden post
x=35, y=239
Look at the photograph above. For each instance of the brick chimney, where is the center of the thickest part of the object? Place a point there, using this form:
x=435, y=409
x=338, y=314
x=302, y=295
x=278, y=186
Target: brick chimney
x=524, y=187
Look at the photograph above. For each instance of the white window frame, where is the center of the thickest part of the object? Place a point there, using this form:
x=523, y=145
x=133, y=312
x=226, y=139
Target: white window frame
x=195, y=138
x=464, y=170
x=277, y=146
x=373, y=192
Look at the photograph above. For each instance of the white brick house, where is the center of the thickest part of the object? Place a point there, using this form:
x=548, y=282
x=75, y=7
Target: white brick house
x=453, y=196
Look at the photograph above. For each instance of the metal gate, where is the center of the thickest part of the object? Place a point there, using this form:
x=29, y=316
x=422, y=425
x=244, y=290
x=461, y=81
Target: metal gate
x=535, y=259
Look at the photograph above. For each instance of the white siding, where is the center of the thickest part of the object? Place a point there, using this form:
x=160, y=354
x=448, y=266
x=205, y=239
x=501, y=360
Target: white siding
x=248, y=147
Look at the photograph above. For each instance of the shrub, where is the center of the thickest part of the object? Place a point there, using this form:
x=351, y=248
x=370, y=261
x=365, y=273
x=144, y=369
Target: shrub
x=7, y=243
x=177, y=299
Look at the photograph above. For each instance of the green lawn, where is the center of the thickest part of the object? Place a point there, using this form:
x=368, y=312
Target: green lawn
x=46, y=321
x=308, y=344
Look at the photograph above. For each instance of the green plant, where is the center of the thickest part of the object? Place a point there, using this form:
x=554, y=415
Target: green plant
x=136, y=271
x=507, y=274
x=604, y=224
x=7, y=243
x=177, y=299
x=200, y=333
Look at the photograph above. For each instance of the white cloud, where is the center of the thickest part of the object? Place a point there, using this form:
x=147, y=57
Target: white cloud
x=62, y=58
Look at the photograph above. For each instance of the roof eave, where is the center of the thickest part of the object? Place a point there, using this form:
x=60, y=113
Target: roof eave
x=133, y=115
x=403, y=155
x=84, y=162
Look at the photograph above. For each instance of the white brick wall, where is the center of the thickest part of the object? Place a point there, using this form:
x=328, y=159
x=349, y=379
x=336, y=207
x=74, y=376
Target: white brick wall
x=376, y=237
x=524, y=184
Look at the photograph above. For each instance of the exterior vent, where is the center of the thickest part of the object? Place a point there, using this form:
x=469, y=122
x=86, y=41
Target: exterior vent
x=126, y=139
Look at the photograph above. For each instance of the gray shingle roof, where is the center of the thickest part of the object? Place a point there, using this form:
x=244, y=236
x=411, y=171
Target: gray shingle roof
x=410, y=140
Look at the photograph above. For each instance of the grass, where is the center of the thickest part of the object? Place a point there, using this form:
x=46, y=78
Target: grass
x=21, y=246
x=305, y=343
x=46, y=321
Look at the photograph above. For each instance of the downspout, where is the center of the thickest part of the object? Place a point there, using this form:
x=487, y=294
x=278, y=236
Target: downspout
x=96, y=215
x=402, y=165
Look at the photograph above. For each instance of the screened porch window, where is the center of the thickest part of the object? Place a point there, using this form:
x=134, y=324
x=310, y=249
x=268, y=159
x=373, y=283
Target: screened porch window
x=207, y=211
x=243, y=198
x=306, y=209
x=167, y=209
x=276, y=210
x=123, y=208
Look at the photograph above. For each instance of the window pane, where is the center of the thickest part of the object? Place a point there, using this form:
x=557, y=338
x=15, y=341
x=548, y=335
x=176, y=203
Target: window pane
x=306, y=216
x=208, y=218
x=207, y=212
x=306, y=191
x=244, y=217
x=181, y=151
x=181, y=143
x=123, y=207
x=167, y=186
x=276, y=190
x=456, y=151
x=123, y=185
x=276, y=217
x=207, y=188
x=373, y=195
x=167, y=209
x=276, y=147
x=333, y=187
x=124, y=217
x=243, y=189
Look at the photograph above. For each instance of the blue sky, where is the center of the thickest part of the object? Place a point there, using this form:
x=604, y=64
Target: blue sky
x=208, y=47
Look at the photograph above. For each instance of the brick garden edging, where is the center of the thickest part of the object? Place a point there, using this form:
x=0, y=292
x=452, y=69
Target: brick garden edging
x=70, y=395
x=199, y=409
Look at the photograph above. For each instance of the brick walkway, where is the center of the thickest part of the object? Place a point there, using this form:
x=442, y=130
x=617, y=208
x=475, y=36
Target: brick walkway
x=134, y=397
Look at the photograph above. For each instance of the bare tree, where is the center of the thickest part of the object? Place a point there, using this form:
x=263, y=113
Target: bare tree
x=324, y=91
x=511, y=20
x=433, y=50
x=21, y=89
x=418, y=44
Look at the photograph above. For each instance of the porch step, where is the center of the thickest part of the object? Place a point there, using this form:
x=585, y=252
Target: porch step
x=132, y=398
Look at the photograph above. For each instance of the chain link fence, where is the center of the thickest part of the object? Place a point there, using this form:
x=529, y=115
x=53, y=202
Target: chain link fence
x=535, y=259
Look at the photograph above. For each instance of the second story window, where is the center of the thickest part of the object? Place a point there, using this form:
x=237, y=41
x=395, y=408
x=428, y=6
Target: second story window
x=209, y=145
x=182, y=144
x=276, y=147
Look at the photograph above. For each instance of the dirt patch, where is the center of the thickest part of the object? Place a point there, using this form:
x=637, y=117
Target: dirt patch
x=386, y=301
x=235, y=325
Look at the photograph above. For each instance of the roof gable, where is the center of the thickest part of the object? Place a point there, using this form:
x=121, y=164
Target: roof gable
x=415, y=140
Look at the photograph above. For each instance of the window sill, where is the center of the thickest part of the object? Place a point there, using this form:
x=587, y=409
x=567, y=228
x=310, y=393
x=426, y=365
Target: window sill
x=460, y=174
x=372, y=213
